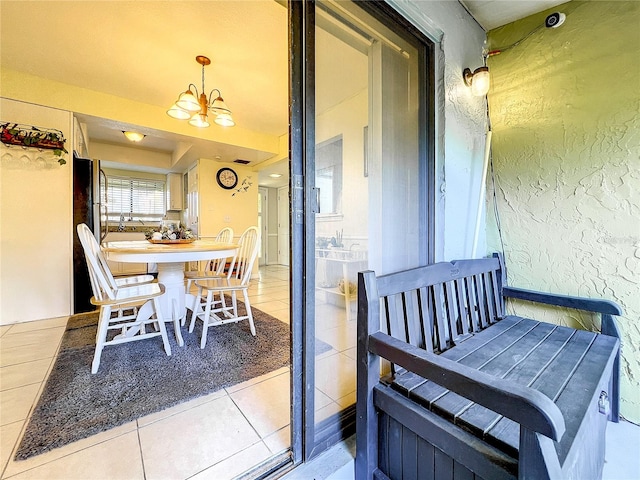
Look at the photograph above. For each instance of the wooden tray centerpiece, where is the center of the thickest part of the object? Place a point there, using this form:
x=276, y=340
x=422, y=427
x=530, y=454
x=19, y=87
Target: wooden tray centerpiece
x=183, y=240
x=169, y=234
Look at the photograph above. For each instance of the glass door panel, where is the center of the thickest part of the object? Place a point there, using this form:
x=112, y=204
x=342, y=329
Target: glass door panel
x=369, y=183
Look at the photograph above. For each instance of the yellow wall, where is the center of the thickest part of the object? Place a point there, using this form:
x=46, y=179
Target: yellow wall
x=221, y=208
x=35, y=221
x=565, y=110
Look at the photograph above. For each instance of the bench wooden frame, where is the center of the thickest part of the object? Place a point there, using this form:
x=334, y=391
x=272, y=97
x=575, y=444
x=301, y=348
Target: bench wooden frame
x=428, y=320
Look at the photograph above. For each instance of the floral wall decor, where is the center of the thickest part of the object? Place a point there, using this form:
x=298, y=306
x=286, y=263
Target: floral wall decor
x=28, y=136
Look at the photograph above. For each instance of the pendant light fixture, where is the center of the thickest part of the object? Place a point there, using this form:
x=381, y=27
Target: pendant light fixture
x=196, y=107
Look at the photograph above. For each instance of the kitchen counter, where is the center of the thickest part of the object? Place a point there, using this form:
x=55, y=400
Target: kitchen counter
x=135, y=228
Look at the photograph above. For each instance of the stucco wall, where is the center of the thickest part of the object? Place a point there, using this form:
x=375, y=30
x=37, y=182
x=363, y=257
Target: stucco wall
x=565, y=111
x=460, y=121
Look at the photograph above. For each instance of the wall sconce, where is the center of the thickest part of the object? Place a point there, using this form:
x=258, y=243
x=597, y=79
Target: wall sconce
x=133, y=136
x=478, y=80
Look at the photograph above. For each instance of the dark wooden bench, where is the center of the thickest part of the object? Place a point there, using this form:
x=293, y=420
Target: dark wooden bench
x=450, y=386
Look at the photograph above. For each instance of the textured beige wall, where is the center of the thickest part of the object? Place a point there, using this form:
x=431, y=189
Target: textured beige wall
x=565, y=112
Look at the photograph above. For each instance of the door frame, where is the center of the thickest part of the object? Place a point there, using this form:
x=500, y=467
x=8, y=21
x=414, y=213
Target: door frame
x=308, y=439
x=299, y=20
x=282, y=210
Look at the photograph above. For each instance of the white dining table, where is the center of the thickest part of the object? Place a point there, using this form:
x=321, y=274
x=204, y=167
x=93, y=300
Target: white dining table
x=171, y=259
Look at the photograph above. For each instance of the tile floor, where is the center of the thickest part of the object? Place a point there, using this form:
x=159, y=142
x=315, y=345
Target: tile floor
x=218, y=436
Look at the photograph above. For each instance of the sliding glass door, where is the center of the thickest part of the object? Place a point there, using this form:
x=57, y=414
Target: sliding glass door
x=365, y=186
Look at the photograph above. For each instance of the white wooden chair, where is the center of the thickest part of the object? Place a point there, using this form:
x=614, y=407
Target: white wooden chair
x=236, y=280
x=213, y=269
x=112, y=297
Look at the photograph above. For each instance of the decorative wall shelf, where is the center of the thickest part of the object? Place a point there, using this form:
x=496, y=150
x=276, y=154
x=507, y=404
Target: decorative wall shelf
x=29, y=136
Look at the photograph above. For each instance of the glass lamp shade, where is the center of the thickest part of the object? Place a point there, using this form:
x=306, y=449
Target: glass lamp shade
x=176, y=112
x=199, y=120
x=188, y=101
x=224, y=120
x=218, y=106
x=480, y=82
x=133, y=136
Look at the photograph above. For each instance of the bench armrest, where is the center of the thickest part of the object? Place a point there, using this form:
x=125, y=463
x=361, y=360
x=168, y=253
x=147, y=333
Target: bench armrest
x=579, y=303
x=526, y=406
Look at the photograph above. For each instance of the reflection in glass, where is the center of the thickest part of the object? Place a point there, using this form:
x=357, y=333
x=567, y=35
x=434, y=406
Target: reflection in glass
x=366, y=105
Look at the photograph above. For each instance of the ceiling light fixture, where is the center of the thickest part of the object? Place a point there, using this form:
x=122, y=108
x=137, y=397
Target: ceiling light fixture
x=195, y=107
x=275, y=175
x=478, y=80
x=133, y=136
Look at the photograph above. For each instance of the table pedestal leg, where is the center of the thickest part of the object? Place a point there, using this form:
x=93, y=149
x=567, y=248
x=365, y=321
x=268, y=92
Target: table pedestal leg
x=171, y=275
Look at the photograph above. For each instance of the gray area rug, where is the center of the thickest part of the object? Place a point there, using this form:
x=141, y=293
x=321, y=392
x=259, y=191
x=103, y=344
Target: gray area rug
x=137, y=378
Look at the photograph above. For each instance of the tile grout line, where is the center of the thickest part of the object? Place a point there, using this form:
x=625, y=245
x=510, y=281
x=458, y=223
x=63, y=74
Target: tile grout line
x=144, y=471
x=247, y=420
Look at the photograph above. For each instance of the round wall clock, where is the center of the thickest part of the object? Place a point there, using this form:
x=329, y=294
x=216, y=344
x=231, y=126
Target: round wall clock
x=227, y=178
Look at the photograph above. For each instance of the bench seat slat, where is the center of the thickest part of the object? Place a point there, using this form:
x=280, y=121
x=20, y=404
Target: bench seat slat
x=584, y=378
x=591, y=376
x=500, y=337
x=499, y=365
x=558, y=361
x=525, y=373
x=475, y=353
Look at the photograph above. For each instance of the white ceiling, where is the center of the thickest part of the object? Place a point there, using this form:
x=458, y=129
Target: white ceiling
x=145, y=51
x=492, y=14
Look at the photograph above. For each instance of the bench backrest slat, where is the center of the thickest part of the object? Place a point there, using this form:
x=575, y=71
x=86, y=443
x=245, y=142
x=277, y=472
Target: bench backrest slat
x=463, y=313
x=426, y=318
x=482, y=299
x=472, y=303
x=414, y=329
x=450, y=309
x=497, y=294
x=488, y=298
x=437, y=306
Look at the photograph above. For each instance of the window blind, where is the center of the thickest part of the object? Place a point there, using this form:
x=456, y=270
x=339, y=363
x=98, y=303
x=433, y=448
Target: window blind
x=136, y=198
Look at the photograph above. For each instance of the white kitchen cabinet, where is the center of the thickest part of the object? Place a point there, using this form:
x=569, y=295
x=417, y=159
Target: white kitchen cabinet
x=174, y=191
x=124, y=268
x=192, y=199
